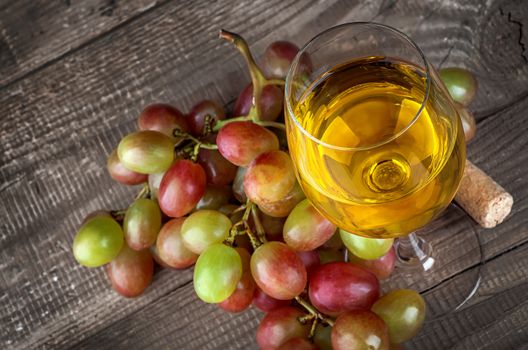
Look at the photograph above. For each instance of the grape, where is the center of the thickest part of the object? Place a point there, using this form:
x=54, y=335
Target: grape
x=270, y=177
x=163, y=118
x=204, y=228
x=278, y=57
x=154, y=182
x=98, y=241
x=181, y=188
x=241, y=142
x=366, y=248
x=266, y=303
x=121, y=174
x=243, y=295
x=278, y=271
x=146, y=152
x=279, y=326
x=271, y=102
x=468, y=122
x=170, y=248
x=218, y=170
x=272, y=226
x=284, y=206
x=306, y=229
x=142, y=223
x=214, y=197
x=403, y=310
x=310, y=260
x=217, y=273
x=298, y=344
x=328, y=255
x=323, y=337
x=227, y=209
x=460, y=83
x=360, y=329
x=95, y=214
x=339, y=287
x=243, y=241
x=238, y=185
x=381, y=267
x=197, y=115
x=131, y=271
x=334, y=242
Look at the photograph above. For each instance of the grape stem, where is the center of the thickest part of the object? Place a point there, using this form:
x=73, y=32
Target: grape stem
x=220, y=124
x=261, y=233
x=144, y=192
x=118, y=215
x=313, y=311
x=242, y=227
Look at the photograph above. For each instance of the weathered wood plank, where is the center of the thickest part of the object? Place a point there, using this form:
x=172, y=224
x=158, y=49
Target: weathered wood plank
x=35, y=32
x=59, y=123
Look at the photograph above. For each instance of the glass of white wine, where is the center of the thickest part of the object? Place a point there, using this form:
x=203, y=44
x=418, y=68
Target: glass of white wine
x=379, y=148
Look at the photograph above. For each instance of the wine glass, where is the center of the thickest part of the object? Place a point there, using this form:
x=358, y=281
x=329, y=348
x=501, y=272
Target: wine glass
x=379, y=149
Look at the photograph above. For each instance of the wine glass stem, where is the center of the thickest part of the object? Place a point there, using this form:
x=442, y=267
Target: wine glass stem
x=414, y=252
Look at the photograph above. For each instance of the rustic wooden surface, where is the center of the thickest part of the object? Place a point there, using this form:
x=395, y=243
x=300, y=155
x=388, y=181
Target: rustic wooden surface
x=73, y=78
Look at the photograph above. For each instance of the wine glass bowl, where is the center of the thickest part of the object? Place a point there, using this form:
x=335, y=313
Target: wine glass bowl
x=375, y=137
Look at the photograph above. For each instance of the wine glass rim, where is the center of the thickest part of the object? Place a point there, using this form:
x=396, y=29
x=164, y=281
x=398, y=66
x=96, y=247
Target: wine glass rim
x=296, y=60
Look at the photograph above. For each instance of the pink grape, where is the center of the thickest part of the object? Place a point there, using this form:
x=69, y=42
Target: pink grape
x=271, y=102
x=279, y=326
x=306, y=229
x=214, y=197
x=146, y=152
x=163, y=118
x=142, y=223
x=272, y=226
x=310, y=260
x=181, y=188
x=266, y=303
x=197, y=115
x=238, y=185
x=218, y=170
x=298, y=344
x=328, y=255
x=121, y=174
x=278, y=271
x=241, y=142
x=339, y=287
x=270, y=177
x=381, y=267
x=170, y=248
x=284, y=206
x=131, y=271
x=278, y=57
x=360, y=329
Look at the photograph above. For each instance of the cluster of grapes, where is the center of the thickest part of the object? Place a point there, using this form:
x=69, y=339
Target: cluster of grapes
x=221, y=193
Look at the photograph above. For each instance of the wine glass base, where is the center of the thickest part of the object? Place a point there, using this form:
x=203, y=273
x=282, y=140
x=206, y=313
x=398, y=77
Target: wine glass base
x=446, y=270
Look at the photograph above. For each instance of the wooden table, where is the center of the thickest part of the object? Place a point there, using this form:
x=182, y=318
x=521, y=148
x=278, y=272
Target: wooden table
x=74, y=76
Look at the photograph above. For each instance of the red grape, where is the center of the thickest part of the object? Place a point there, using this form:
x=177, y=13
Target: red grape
x=310, y=260
x=163, y=118
x=241, y=142
x=284, y=206
x=238, y=185
x=360, y=329
x=146, y=152
x=197, y=115
x=278, y=271
x=142, y=223
x=270, y=177
x=271, y=102
x=381, y=267
x=328, y=255
x=121, y=174
x=306, y=229
x=131, y=271
x=403, y=310
x=272, y=226
x=339, y=287
x=278, y=57
x=334, y=242
x=323, y=337
x=170, y=248
x=279, y=326
x=181, y=188
x=218, y=170
x=468, y=122
x=266, y=303
x=298, y=344
x=243, y=295
x=214, y=197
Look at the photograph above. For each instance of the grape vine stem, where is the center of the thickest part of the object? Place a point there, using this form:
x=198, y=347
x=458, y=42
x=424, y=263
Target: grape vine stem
x=313, y=311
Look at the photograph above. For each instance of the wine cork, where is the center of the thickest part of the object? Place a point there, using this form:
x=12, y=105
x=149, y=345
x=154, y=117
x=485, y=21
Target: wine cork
x=482, y=198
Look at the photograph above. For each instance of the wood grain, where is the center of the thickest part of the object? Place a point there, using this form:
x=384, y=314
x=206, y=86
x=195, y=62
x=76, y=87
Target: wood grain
x=60, y=121
x=33, y=33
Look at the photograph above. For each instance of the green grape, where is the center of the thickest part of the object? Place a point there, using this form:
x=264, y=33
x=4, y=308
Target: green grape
x=142, y=223
x=146, y=152
x=323, y=337
x=460, y=83
x=217, y=273
x=98, y=241
x=203, y=228
x=403, y=310
x=366, y=248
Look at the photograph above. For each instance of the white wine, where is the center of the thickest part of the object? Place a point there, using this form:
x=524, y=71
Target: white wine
x=378, y=149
